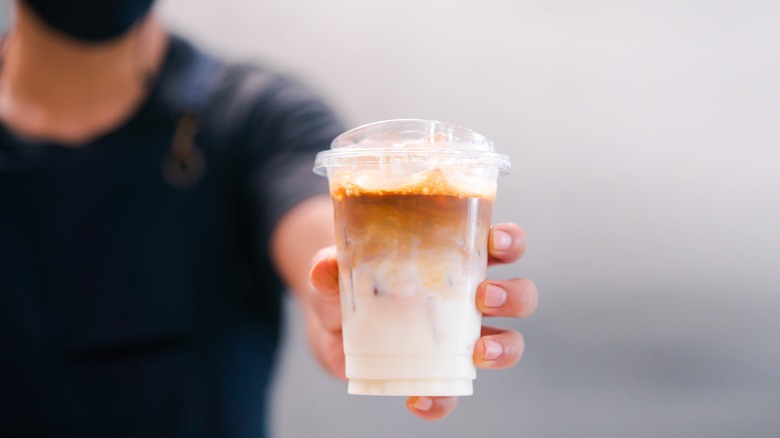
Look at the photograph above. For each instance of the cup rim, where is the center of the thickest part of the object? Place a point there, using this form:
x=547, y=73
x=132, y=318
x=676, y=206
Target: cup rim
x=465, y=147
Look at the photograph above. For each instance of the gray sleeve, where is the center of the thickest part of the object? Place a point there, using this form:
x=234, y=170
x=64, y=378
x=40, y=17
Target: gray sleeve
x=287, y=127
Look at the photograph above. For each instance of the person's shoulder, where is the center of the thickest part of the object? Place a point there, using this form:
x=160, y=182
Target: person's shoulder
x=240, y=99
x=256, y=87
x=236, y=85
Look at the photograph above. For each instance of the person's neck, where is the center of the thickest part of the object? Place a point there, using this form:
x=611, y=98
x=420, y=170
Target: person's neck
x=55, y=88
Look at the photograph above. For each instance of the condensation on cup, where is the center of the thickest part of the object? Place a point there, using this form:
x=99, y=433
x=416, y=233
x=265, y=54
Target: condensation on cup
x=412, y=201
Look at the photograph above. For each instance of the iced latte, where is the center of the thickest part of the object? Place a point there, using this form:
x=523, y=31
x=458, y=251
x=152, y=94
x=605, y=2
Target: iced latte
x=412, y=203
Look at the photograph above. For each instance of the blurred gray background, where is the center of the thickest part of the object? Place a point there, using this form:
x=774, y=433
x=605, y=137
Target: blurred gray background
x=645, y=140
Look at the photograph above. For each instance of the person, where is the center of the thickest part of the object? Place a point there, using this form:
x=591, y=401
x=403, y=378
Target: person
x=155, y=202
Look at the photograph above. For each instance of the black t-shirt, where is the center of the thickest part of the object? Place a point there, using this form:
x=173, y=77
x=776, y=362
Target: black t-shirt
x=137, y=294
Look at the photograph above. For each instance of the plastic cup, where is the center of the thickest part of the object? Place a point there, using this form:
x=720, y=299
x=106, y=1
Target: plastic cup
x=412, y=201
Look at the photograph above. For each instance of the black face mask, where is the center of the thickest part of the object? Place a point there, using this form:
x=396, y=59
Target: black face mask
x=90, y=20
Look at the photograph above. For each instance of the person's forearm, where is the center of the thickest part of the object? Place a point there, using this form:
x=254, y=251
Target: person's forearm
x=306, y=229
x=302, y=232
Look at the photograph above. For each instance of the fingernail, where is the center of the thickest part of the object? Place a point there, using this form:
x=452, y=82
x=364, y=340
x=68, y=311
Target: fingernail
x=501, y=240
x=494, y=296
x=423, y=404
x=492, y=349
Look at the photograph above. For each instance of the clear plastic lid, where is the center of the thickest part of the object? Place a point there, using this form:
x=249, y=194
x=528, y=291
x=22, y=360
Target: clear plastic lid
x=413, y=142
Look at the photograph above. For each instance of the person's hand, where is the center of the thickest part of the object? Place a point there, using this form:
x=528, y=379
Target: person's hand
x=496, y=349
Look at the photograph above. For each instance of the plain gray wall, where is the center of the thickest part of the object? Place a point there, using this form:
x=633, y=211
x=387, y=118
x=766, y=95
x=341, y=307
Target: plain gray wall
x=645, y=140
